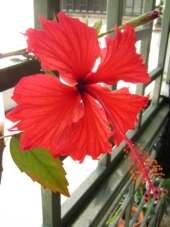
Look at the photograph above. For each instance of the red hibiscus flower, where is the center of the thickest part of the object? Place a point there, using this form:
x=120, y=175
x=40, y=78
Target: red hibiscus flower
x=73, y=118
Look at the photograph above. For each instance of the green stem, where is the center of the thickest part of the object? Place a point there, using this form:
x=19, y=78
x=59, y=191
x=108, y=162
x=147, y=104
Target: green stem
x=110, y=31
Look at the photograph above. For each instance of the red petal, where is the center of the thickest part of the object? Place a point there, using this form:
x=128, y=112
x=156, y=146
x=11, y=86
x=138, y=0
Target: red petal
x=121, y=108
x=119, y=60
x=48, y=111
x=92, y=135
x=70, y=47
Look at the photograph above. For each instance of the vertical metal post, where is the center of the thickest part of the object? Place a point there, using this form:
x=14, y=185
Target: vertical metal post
x=51, y=208
x=162, y=50
x=144, y=50
x=113, y=17
x=145, y=44
x=46, y=8
x=129, y=207
x=114, y=14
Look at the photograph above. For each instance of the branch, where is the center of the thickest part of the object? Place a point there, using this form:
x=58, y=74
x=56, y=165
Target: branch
x=22, y=52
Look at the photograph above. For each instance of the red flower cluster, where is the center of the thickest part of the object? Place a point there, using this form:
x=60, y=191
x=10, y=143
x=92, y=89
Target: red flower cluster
x=73, y=118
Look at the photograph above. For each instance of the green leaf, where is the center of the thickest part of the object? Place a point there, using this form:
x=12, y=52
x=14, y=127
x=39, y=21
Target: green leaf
x=165, y=184
x=114, y=217
x=48, y=72
x=98, y=26
x=55, y=18
x=40, y=166
x=87, y=21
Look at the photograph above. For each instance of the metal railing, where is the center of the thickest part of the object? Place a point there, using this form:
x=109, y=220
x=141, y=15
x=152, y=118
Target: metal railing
x=92, y=203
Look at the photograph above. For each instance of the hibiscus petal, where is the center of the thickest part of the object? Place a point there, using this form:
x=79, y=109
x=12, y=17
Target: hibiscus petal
x=48, y=111
x=70, y=47
x=121, y=108
x=92, y=135
x=119, y=60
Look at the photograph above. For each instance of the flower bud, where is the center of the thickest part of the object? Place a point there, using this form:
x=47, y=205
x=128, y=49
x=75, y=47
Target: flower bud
x=156, y=198
x=135, y=22
x=143, y=19
x=146, y=195
x=156, y=191
x=164, y=192
x=146, y=200
x=150, y=16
